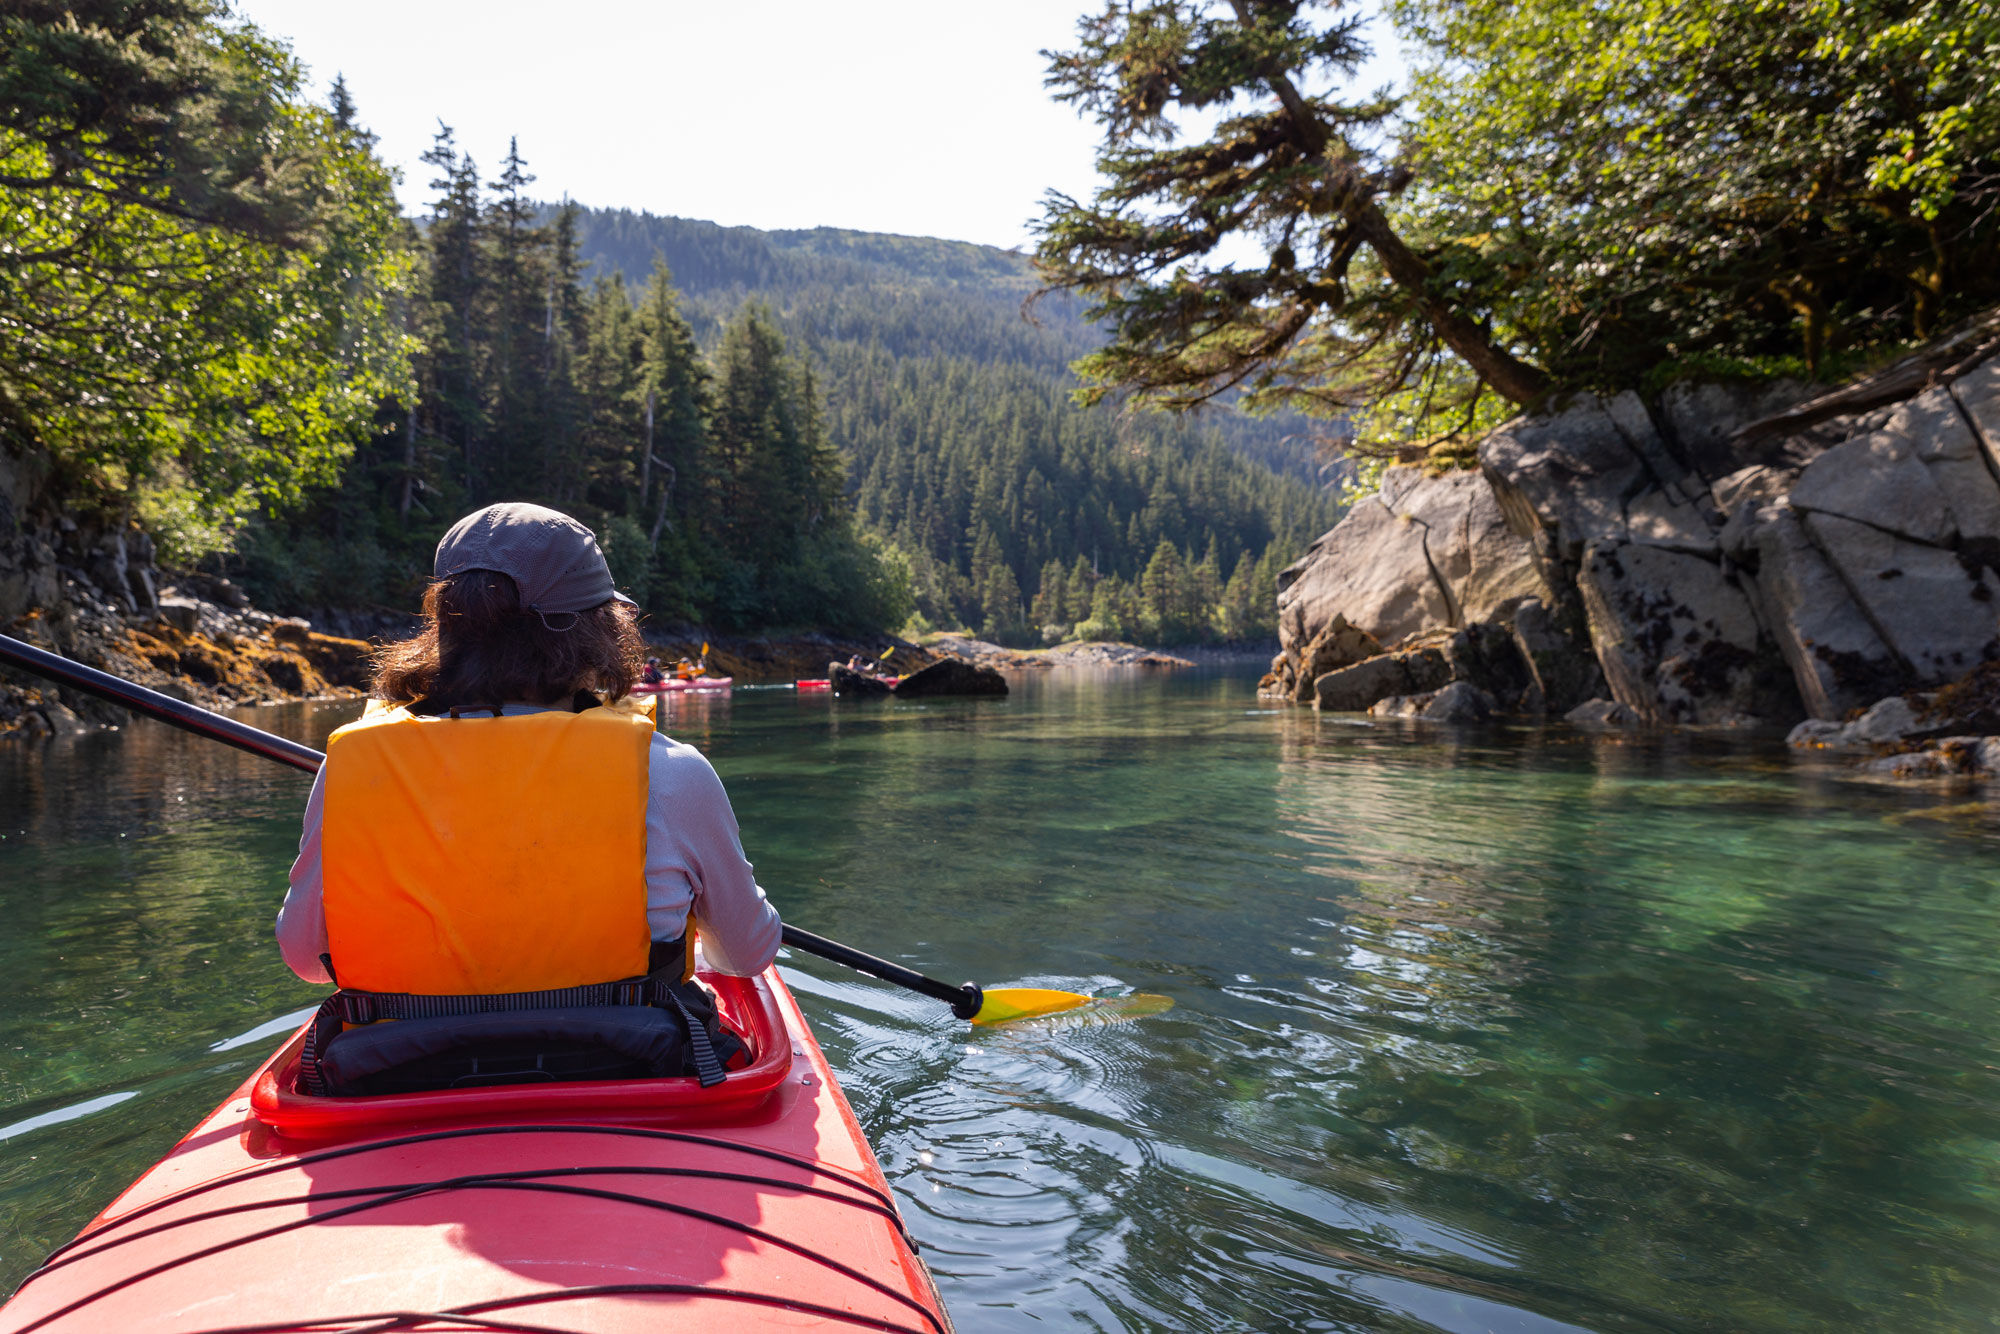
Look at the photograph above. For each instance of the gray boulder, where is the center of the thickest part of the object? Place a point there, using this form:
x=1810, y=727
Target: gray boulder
x=1675, y=635
x=1352, y=689
x=1887, y=722
x=294, y=630
x=1978, y=395
x=1423, y=553
x=183, y=614
x=1337, y=645
x=1936, y=610
x=1890, y=720
x=1562, y=672
x=1577, y=475
x=1485, y=655
x=1838, y=660
x=1459, y=702
x=1816, y=734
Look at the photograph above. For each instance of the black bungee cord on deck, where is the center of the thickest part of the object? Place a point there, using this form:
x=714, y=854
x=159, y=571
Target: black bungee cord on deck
x=877, y=1201
x=467, y=1132
x=479, y=1181
x=385, y=1322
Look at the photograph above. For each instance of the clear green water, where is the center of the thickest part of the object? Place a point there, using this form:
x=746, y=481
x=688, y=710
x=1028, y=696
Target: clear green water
x=1494, y=1031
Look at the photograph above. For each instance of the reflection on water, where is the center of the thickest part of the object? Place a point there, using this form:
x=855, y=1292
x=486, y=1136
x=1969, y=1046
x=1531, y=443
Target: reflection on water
x=1499, y=1030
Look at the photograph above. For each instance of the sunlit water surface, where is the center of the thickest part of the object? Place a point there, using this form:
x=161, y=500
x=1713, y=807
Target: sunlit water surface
x=1495, y=1030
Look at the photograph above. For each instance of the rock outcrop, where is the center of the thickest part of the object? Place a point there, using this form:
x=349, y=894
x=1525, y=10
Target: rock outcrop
x=846, y=681
x=949, y=676
x=1717, y=556
x=1423, y=552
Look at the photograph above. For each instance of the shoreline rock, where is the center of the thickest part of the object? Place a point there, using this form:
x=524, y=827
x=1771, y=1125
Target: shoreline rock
x=1707, y=558
x=1088, y=653
x=950, y=676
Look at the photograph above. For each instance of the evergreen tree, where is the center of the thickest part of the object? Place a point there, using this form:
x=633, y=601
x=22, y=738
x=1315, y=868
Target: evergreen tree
x=450, y=368
x=1051, y=605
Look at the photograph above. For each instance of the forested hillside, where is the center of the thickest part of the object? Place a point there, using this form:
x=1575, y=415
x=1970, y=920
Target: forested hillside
x=949, y=402
x=793, y=428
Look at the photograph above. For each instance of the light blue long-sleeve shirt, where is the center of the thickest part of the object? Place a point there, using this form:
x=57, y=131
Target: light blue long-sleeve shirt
x=694, y=862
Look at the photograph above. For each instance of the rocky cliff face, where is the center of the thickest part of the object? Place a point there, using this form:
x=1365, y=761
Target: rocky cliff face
x=1718, y=556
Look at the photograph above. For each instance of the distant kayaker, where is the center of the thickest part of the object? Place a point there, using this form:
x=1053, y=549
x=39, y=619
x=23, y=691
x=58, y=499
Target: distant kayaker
x=486, y=828
x=653, y=675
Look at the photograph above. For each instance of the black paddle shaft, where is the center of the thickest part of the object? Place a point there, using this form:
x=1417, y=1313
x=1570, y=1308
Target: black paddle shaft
x=178, y=713
x=964, y=1001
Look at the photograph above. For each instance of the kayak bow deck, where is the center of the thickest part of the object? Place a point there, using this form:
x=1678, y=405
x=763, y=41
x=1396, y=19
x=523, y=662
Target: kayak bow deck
x=604, y=1206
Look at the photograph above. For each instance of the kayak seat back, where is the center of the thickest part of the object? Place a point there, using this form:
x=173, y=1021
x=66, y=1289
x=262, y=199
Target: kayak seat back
x=520, y=1047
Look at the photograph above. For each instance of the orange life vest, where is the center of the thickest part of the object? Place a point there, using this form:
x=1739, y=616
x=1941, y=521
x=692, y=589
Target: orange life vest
x=480, y=855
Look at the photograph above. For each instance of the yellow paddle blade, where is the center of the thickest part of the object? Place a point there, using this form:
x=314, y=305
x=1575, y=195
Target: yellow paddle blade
x=1103, y=1011
x=1006, y=1003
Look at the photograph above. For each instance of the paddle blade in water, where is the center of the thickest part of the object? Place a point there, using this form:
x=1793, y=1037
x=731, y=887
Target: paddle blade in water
x=1102, y=1011
x=1006, y=1003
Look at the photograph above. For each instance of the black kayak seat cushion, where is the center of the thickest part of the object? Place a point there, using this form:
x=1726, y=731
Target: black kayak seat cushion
x=506, y=1047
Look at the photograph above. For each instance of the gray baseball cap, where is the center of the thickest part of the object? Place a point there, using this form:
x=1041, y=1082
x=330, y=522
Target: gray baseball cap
x=552, y=559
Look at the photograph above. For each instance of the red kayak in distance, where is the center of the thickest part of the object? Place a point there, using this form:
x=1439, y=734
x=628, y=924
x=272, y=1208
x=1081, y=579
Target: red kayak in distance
x=592, y=1206
x=811, y=684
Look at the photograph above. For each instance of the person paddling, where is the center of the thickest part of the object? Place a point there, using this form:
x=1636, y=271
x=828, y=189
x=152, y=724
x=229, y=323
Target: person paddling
x=503, y=849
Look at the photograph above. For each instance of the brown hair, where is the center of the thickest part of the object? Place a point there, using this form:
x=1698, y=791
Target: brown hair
x=479, y=646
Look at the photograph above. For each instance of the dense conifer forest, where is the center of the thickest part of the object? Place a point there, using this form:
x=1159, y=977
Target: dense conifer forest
x=1011, y=508
x=789, y=429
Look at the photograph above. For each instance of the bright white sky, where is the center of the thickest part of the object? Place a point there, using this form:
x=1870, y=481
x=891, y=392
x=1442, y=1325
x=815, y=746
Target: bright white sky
x=921, y=117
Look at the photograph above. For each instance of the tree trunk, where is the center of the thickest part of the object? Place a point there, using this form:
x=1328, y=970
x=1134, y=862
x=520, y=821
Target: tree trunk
x=666, y=494
x=409, y=466
x=1511, y=378
x=646, y=458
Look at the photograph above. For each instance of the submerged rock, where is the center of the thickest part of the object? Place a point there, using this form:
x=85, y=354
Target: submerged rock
x=1601, y=713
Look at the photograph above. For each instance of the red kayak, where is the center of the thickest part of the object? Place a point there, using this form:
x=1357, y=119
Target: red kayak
x=604, y=1206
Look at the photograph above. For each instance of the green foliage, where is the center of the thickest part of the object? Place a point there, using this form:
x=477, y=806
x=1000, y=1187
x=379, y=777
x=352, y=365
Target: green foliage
x=1577, y=192
x=185, y=530
x=628, y=553
x=1625, y=182
x=202, y=275
x=225, y=324
x=1340, y=311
